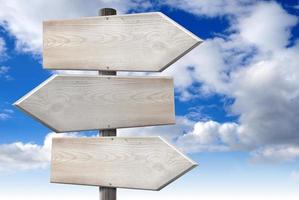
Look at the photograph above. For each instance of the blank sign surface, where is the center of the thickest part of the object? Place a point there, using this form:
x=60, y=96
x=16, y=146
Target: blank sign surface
x=75, y=103
x=127, y=162
x=134, y=42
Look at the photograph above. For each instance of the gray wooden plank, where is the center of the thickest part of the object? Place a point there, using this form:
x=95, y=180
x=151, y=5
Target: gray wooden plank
x=73, y=103
x=148, y=163
x=134, y=42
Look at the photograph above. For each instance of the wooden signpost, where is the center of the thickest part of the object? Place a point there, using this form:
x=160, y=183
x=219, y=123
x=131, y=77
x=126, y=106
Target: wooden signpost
x=122, y=162
x=134, y=42
x=106, y=102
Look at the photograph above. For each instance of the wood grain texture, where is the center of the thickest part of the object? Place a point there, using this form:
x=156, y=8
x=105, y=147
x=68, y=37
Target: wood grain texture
x=127, y=162
x=74, y=103
x=135, y=42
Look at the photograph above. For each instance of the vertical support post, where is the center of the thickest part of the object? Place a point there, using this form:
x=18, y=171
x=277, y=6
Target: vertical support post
x=107, y=193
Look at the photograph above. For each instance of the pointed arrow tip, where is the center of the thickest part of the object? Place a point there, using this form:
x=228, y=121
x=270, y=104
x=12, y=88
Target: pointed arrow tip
x=17, y=103
x=199, y=40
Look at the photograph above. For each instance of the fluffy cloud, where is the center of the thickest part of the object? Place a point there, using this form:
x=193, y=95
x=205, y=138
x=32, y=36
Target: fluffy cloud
x=4, y=73
x=213, y=8
x=211, y=136
x=170, y=132
x=267, y=97
x=191, y=136
x=277, y=153
x=5, y=114
x=271, y=26
x=2, y=48
x=3, y=70
x=256, y=65
x=20, y=156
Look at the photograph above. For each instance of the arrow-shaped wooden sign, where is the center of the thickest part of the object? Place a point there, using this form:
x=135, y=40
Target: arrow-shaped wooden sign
x=127, y=162
x=134, y=42
x=74, y=103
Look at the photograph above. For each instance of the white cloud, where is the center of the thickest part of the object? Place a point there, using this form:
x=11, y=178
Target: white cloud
x=169, y=132
x=255, y=66
x=267, y=27
x=21, y=156
x=4, y=72
x=191, y=136
x=3, y=69
x=2, y=47
x=213, y=8
x=211, y=136
x=75, y=72
x=267, y=97
x=275, y=154
x=5, y=114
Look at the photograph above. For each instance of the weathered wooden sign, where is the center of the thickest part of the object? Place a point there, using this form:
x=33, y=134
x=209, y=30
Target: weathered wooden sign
x=74, y=103
x=127, y=162
x=134, y=42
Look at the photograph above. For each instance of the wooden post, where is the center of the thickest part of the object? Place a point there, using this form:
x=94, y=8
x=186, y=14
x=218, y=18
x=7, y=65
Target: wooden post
x=105, y=192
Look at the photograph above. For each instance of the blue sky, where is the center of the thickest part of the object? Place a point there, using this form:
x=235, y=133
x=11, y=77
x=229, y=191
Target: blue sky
x=237, y=99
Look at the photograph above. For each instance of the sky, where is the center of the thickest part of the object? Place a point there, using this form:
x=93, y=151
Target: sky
x=236, y=99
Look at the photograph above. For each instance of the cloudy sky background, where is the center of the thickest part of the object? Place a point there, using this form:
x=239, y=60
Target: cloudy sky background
x=237, y=99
